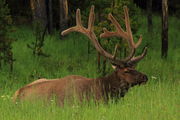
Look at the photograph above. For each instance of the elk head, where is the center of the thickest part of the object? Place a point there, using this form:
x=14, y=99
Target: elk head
x=131, y=76
x=124, y=68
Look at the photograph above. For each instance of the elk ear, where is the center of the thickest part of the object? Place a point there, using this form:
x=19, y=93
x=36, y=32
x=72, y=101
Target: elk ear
x=114, y=67
x=133, y=66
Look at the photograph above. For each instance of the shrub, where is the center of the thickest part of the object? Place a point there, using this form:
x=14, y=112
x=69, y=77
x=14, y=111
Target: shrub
x=6, y=54
x=39, y=33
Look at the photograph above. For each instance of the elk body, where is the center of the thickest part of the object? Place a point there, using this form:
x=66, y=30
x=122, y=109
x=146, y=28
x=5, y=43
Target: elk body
x=114, y=85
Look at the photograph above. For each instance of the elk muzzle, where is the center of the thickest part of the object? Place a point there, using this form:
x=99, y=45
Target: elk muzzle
x=143, y=79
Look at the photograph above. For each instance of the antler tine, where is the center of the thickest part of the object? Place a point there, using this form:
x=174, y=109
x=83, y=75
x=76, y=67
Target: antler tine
x=78, y=18
x=128, y=27
x=65, y=32
x=115, y=51
x=134, y=60
x=119, y=33
x=79, y=27
x=91, y=19
x=107, y=34
x=139, y=42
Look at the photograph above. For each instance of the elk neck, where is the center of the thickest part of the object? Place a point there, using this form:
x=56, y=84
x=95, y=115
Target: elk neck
x=112, y=85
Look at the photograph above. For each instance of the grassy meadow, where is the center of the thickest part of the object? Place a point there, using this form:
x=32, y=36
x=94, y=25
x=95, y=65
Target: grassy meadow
x=159, y=99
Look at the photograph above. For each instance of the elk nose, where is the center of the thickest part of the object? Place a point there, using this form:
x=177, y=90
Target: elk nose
x=145, y=78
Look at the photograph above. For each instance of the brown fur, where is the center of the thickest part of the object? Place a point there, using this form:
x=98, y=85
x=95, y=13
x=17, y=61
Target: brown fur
x=114, y=85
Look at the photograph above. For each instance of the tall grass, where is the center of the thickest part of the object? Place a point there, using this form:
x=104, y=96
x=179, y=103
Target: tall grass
x=157, y=100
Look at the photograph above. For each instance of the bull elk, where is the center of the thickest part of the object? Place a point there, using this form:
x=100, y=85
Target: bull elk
x=114, y=85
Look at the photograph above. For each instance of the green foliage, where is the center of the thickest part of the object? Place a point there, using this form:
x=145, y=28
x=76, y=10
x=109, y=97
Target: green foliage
x=6, y=54
x=178, y=10
x=39, y=33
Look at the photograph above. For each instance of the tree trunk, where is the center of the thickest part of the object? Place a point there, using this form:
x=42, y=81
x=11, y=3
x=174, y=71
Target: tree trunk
x=38, y=8
x=99, y=61
x=50, y=16
x=149, y=16
x=88, y=48
x=63, y=14
x=40, y=24
x=104, y=66
x=164, y=49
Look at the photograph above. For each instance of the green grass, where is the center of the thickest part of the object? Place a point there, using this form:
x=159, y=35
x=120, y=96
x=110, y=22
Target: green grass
x=157, y=100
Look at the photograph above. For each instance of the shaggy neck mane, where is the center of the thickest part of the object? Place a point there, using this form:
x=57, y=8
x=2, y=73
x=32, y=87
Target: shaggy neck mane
x=113, y=86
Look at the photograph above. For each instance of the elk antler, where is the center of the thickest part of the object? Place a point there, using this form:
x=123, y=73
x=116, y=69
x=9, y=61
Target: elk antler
x=136, y=59
x=89, y=32
x=127, y=35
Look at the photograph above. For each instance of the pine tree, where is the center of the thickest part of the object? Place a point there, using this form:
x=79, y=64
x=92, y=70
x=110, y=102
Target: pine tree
x=6, y=54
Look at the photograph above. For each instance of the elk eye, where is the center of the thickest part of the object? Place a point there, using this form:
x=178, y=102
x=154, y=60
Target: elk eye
x=126, y=71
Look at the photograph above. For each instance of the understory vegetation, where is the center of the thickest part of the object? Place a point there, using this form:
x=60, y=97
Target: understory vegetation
x=157, y=100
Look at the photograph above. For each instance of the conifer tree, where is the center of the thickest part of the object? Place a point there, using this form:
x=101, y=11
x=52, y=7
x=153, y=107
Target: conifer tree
x=6, y=54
